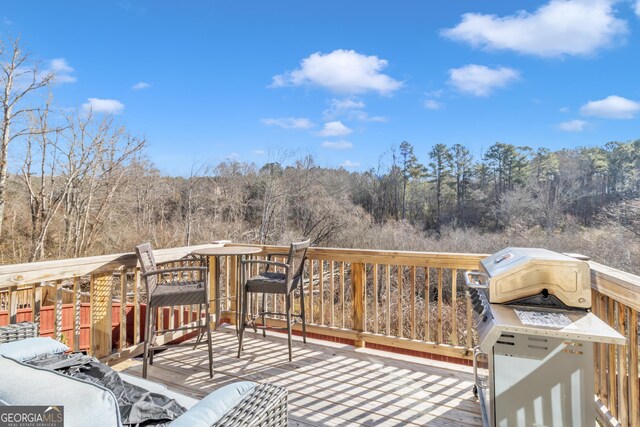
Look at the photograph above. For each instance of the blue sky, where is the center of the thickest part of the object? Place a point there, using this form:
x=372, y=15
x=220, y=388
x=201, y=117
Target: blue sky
x=341, y=80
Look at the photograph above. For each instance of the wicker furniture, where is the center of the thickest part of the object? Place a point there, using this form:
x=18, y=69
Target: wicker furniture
x=263, y=405
x=18, y=331
x=273, y=282
x=170, y=287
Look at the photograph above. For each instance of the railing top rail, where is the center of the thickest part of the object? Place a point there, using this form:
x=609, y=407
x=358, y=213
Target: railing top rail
x=33, y=272
x=617, y=284
x=377, y=256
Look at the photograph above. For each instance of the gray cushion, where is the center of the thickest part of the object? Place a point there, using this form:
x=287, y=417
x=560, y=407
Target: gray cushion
x=213, y=407
x=185, y=293
x=270, y=282
x=85, y=403
x=29, y=348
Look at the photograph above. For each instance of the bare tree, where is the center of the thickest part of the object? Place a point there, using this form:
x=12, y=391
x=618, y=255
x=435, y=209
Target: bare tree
x=96, y=163
x=18, y=78
x=40, y=172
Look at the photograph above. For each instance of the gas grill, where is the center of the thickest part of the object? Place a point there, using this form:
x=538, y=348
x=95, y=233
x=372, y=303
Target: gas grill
x=533, y=365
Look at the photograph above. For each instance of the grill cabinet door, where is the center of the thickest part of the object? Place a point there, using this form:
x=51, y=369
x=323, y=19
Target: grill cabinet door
x=542, y=381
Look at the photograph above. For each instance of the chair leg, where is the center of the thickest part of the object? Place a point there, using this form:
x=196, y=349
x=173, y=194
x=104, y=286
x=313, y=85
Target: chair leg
x=241, y=321
x=208, y=326
x=264, y=321
x=304, y=316
x=200, y=330
x=288, y=310
x=152, y=333
x=145, y=350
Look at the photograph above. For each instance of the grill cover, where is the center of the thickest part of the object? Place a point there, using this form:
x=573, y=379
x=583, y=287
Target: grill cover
x=516, y=273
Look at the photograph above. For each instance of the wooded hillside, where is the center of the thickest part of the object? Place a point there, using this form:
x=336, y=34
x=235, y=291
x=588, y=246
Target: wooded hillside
x=81, y=185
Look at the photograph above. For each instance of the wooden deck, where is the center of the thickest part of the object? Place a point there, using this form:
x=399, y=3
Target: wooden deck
x=329, y=384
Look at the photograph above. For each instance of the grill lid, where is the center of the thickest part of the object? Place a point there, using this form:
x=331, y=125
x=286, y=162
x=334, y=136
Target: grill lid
x=518, y=273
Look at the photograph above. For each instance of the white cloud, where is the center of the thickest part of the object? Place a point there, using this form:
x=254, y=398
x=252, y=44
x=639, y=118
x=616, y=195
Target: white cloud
x=637, y=8
x=432, y=104
x=480, y=80
x=337, y=145
x=564, y=110
x=61, y=71
x=289, y=123
x=336, y=128
x=435, y=94
x=106, y=106
x=351, y=109
x=348, y=164
x=341, y=71
x=573, y=125
x=346, y=104
x=140, y=85
x=259, y=152
x=560, y=27
x=611, y=107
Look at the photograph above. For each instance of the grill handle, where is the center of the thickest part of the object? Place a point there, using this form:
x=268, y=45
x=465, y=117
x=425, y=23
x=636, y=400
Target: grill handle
x=480, y=380
x=476, y=279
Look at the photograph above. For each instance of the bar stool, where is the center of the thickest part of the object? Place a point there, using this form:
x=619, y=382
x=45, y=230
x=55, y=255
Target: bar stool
x=270, y=282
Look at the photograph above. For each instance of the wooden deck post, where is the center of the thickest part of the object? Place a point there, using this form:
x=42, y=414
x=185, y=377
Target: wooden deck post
x=101, y=315
x=357, y=299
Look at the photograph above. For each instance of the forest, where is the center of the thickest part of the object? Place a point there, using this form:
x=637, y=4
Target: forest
x=76, y=184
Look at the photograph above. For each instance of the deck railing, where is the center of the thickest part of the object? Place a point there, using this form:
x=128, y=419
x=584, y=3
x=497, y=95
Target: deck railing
x=413, y=302
x=616, y=300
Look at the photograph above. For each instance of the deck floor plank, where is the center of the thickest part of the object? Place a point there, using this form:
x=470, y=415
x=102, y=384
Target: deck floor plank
x=329, y=384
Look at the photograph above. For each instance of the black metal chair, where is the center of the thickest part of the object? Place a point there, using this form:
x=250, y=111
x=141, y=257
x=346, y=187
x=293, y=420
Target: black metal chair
x=168, y=287
x=271, y=282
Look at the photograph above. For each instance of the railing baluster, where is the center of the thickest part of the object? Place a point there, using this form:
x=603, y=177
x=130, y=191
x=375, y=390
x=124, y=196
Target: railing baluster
x=13, y=304
x=364, y=297
x=623, y=385
x=310, y=302
x=321, y=274
x=413, y=303
x=604, y=390
x=333, y=295
x=440, y=331
x=375, y=298
x=233, y=281
x=36, y=306
x=32, y=301
x=342, y=305
x=400, y=308
x=427, y=305
x=136, y=307
x=613, y=402
x=388, y=299
x=454, y=307
x=123, y=309
x=469, y=342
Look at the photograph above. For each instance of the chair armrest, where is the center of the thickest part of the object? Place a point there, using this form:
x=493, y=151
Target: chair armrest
x=284, y=255
x=267, y=263
x=173, y=270
x=179, y=260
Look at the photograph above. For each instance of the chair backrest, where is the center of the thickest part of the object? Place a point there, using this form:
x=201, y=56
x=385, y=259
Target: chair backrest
x=297, y=253
x=147, y=261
